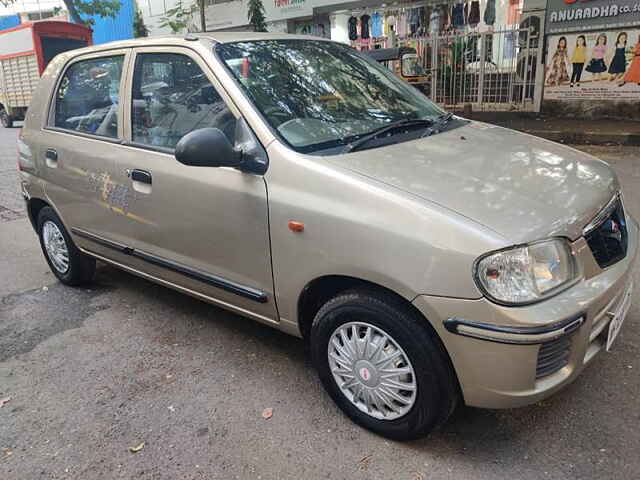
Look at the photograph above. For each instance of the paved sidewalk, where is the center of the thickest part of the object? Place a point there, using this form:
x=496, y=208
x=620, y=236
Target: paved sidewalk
x=566, y=130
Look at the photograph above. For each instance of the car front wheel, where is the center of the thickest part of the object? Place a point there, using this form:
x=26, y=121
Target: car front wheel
x=383, y=365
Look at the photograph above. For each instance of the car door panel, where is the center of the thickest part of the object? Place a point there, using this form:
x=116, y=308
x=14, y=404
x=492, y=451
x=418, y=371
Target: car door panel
x=78, y=148
x=205, y=228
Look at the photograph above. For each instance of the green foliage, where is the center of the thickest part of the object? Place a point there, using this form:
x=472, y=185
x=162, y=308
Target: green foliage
x=139, y=28
x=256, y=16
x=180, y=18
x=102, y=8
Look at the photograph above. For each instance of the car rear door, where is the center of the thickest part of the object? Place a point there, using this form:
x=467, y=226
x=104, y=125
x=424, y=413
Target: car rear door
x=78, y=145
x=203, y=228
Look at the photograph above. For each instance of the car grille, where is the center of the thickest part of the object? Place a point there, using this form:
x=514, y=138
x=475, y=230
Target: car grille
x=553, y=356
x=608, y=237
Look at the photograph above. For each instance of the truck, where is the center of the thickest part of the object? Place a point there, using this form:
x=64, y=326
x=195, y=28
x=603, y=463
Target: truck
x=25, y=52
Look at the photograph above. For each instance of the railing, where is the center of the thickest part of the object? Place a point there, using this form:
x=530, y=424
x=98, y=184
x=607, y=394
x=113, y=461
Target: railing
x=493, y=70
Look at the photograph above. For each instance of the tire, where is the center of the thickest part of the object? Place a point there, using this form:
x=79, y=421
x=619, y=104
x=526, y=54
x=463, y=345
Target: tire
x=436, y=394
x=5, y=119
x=80, y=268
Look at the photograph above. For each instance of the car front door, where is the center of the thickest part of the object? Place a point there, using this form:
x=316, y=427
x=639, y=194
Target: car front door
x=203, y=228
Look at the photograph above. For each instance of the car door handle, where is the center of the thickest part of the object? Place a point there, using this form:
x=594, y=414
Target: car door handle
x=141, y=176
x=51, y=158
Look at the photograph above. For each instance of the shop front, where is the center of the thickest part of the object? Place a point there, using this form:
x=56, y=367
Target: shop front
x=386, y=22
x=593, y=58
x=473, y=52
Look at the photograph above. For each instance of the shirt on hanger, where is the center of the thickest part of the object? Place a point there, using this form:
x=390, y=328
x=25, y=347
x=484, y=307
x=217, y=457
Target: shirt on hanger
x=376, y=25
x=364, y=26
x=389, y=24
x=434, y=21
x=353, y=28
x=490, y=12
x=401, y=28
x=457, y=15
x=474, y=14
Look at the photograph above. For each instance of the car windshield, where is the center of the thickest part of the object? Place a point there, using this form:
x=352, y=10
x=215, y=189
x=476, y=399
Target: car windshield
x=319, y=95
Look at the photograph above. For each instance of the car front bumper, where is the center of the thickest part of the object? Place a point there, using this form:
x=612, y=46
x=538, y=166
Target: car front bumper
x=499, y=353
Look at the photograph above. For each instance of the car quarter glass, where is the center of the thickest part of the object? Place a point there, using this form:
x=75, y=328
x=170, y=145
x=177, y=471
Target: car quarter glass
x=88, y=96
x=171, y=97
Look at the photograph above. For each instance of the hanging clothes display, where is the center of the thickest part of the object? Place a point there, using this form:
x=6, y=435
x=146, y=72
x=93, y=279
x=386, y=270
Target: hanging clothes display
x=490, y=12
x=457, y=16
x=376, y=25
x=353, y=28
x=364, y=26
x=474, y=14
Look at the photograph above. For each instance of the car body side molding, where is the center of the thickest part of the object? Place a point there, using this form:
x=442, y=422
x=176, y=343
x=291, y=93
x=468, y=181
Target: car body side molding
x=213, y=280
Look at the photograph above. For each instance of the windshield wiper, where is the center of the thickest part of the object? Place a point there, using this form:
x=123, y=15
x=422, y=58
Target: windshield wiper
x=406, y=123
x=444, y=118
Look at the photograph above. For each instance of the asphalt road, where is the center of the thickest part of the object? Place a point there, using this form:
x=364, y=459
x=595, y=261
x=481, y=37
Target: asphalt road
x=92, y=372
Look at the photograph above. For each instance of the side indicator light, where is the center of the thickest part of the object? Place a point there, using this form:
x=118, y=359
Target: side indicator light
x=296, y=226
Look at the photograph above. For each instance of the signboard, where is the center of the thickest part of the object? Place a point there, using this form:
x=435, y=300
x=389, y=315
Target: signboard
x=225, y=14
x=581, y=15
x=606, y=68
x=229, y=14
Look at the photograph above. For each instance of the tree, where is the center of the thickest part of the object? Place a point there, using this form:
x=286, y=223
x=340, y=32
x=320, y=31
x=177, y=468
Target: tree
x=139, y=28
x=79, y=8
x=256, y=16
x=180, y=18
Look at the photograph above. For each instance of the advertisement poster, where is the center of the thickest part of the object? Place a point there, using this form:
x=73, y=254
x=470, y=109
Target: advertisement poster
x=584, y=15
x=602, y=65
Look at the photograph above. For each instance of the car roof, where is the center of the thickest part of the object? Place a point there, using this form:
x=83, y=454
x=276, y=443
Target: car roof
x=188, y=39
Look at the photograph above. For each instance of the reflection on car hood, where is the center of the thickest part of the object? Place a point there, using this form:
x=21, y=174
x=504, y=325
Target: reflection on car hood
x=522, y=187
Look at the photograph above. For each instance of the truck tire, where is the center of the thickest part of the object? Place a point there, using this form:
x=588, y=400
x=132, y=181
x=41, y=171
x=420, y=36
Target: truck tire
x=5, y=119
x=383, y=365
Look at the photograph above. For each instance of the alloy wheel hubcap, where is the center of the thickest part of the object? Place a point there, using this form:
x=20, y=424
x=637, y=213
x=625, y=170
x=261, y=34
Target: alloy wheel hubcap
x=372, y=370
x=55, y=246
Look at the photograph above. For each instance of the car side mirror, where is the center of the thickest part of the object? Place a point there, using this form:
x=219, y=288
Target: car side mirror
x=207, y=147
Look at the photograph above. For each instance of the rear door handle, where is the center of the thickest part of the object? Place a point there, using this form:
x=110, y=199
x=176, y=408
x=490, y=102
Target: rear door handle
x=51, y=158
x=141, y=176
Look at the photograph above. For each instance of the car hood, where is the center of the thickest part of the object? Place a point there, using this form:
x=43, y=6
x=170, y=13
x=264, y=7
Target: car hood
x=522, y=187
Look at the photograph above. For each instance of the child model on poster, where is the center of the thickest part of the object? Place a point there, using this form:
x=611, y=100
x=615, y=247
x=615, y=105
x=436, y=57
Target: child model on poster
x=559, y=71
x=596, y=66
x=619, y=62
x=578, y=59
x=633, y=75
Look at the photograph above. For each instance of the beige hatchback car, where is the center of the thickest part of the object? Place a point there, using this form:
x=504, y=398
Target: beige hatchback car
x=426, y=259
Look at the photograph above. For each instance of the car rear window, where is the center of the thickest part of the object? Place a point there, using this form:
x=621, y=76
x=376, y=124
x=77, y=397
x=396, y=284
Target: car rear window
x=88, y=96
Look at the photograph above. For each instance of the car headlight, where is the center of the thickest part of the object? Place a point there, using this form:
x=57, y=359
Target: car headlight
x=526, y=273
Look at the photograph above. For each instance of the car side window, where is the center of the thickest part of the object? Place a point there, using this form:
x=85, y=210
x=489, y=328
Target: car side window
x=88, y=95
x=171, y=97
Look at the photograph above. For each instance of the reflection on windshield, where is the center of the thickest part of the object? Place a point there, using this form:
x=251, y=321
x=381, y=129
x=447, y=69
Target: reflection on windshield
x=318, y=95
x=411, y=66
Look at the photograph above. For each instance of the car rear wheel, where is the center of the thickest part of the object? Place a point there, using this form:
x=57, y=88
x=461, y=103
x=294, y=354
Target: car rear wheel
x=70, y=265
x=383, y=365
x=5, y=119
